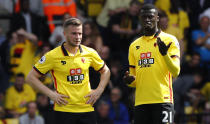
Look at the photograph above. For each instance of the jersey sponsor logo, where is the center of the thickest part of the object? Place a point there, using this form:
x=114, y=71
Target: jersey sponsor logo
x=42, y=60
x=76, y=76
x=145, y=60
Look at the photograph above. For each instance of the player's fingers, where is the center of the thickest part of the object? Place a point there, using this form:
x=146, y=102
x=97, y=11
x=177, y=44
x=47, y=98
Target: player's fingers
x=89, y=101
x=88, y=95
x=158, y=42
x=158, y=39
x=94, y=101
x=132, y=78
x=64, y=96
x=58, y=102
x=127, y=73
x=63, y=101
x=169, y=45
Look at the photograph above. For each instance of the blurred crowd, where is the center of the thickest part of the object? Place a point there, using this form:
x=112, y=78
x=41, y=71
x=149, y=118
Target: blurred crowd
x=30, y=28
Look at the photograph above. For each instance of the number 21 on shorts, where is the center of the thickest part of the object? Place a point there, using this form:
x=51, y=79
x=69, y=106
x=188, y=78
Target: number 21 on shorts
x=167, y=117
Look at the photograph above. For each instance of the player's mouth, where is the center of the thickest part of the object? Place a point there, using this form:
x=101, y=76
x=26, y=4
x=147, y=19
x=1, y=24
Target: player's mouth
x=148, y=24
x=77, y=41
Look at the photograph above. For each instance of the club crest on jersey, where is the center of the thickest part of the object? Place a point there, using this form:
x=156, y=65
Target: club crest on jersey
x=42, y=60
x=137, y=47
x=83, y=60
x=146, y=60
x=155, y=44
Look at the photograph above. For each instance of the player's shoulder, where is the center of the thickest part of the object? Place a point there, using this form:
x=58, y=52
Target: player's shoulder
x=136, y=41
x=170, y=38
x=54, y=52
x=87, y=50
x=167, y=36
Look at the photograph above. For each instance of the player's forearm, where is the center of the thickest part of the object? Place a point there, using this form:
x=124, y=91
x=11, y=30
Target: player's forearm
x=37, y=84
x=173, y=65
x=105, y=77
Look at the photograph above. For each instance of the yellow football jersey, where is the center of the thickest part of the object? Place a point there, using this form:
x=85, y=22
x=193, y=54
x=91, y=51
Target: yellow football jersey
x=71, y=75
x=153, y=79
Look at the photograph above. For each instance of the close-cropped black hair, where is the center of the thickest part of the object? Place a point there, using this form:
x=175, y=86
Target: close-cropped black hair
x=162, y=14
x=148, y=7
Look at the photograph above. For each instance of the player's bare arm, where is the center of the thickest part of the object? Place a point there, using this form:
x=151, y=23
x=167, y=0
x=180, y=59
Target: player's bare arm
x=95, y=94
x=33, y=80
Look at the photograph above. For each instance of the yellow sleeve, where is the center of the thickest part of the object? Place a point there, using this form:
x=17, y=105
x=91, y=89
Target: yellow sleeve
x=45, y=64
x=172, y=59
x=9, y=99
x=96, y=62
x=132, y=66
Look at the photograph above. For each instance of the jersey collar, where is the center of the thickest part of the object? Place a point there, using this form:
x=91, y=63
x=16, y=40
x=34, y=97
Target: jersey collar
x=66, y=53
x=157, y=33
x=153, y=36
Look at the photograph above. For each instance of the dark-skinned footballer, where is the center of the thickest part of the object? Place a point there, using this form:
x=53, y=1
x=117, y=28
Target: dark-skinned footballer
x=153, y=61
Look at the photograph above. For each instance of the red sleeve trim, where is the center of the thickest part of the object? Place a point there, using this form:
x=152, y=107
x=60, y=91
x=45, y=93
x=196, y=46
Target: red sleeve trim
x=101, y=67
x=174, y=56
x=132, y=66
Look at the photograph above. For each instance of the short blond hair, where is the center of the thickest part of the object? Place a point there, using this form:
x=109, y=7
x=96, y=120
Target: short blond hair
x=72, y=21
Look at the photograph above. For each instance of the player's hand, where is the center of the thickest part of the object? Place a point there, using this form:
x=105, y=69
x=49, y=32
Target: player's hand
x=162, y=46
x=93, y=96
x=59, y=98
x=127, y=78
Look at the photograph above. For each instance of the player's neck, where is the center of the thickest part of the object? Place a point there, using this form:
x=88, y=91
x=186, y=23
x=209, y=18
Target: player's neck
x=150, y=32
x=71, y=49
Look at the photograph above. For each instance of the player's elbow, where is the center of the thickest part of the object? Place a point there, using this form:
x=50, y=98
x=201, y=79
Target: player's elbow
x=105, y=71
x=108, y=72
x=29, y=78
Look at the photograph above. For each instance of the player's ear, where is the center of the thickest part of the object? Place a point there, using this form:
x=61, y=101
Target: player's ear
x=158, y=18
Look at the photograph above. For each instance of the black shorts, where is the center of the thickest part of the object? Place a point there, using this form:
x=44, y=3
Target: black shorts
x=161, y=113
x=75, y=118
